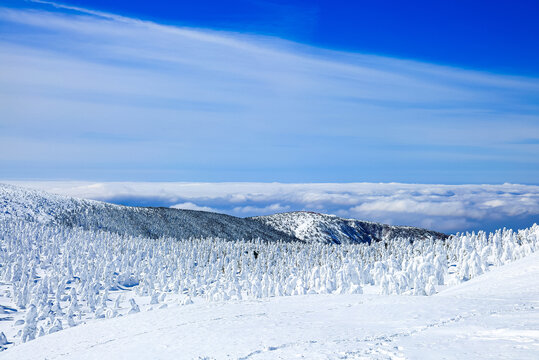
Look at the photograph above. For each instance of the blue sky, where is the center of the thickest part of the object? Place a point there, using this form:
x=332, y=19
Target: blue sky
x=497, y=36
x=267, y=91
x=101, y=95
x=486, y=35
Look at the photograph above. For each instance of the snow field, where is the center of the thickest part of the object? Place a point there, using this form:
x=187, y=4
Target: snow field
x=56, y=277
x=493, y=316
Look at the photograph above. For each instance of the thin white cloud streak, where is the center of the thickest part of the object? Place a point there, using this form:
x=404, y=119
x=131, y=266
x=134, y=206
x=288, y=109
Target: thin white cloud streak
x=203, y=97
x=449, y=208
x=192, y=206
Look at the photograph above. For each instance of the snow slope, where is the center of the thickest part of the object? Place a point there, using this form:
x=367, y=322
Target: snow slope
x=494, y=316
x=315, y=227
x=55, y=277
x=37, y=206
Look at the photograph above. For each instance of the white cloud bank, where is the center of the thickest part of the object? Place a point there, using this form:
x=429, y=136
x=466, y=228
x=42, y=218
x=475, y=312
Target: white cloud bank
x=448, y=208
x=192, y=206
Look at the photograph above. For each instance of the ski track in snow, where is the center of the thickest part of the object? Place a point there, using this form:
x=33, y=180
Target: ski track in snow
x=381, y=346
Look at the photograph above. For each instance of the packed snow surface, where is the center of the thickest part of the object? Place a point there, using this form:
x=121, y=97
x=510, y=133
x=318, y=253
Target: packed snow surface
x=494, y=316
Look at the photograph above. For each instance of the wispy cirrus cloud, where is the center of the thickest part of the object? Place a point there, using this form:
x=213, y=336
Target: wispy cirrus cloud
x=448, y=208
x=201, y=104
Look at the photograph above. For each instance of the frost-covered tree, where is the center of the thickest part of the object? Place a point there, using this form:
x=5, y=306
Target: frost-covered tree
x=71, y=275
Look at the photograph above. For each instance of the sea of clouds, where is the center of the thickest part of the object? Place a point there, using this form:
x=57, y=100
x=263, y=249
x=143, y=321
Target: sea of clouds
x=448, y=208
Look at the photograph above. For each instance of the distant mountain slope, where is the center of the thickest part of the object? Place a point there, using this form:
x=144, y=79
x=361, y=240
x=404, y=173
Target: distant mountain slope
x=42, y=207
x=314, y=227
x=38, y=206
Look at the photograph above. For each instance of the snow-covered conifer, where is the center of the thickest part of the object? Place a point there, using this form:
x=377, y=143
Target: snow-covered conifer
x=134, y=307
x=56, y=326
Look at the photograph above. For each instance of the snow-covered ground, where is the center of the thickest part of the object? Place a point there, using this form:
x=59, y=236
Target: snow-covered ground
x=494, y=316
x=79, y=292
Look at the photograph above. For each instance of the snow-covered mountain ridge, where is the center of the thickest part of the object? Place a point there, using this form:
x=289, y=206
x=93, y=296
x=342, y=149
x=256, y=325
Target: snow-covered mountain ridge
x=37, y=206
x=315, y=227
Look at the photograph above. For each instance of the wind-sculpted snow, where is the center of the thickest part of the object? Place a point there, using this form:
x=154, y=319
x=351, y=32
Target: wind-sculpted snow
x=55, y=277
x=314, y=227
x=37, y=206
